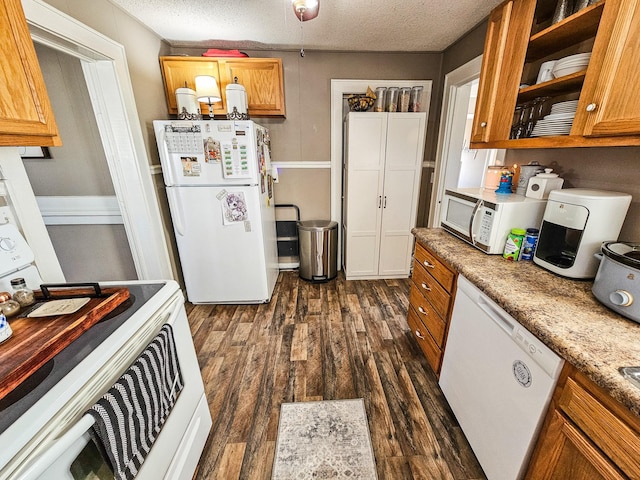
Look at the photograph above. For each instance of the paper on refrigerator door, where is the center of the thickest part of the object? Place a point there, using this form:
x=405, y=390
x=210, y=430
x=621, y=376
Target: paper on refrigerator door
x=234, y=208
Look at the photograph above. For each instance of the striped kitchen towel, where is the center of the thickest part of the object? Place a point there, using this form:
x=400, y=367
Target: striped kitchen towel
x=129, y=417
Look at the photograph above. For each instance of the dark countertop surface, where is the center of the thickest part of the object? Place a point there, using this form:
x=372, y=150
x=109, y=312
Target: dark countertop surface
x=561, y=312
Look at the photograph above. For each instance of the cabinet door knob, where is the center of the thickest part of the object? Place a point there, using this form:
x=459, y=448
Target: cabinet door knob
x=426, y=287
x=591, y=107
x=428, y=265
x=379, y=201
x=483, y=124
x=419, y=335
x=422, y=311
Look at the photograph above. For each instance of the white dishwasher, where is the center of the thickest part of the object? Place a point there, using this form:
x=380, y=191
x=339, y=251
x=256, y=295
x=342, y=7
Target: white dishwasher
x=498, y=379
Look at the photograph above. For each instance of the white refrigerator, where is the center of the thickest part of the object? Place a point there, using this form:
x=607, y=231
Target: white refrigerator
x=219, y=186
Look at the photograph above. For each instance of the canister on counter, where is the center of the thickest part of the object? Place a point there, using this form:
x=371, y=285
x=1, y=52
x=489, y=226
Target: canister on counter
x=529, y=244
x=513, y=244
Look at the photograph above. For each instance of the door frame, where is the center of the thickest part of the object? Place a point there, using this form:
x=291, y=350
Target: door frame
x=452, y=82
x=106, y=72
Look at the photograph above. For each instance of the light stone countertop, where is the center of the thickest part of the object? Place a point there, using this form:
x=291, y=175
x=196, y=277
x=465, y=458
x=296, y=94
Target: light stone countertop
x=561, y=312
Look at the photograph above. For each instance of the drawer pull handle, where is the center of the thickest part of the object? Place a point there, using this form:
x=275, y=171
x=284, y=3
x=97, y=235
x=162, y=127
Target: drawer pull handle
x=419, y=335
x=426, y=287
x=428, y=265
x=422, y=311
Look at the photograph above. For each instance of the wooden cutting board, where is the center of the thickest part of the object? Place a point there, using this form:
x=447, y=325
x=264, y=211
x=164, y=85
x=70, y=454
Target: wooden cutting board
x=35, y=341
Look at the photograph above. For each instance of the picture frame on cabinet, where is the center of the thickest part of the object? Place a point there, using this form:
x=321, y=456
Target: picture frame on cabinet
x=34, y=152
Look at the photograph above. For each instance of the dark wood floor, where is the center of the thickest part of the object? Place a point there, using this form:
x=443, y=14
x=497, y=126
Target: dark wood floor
x=337, y=340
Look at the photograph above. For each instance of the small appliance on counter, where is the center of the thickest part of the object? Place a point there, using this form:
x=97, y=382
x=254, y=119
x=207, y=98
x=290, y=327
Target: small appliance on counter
x=575, y=223
x=617, y=283
x=541, y=185
x=526, y=172
x=484, y=218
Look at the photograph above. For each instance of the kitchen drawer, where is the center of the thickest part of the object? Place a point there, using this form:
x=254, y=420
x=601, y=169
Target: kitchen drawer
x=427, y=315
x=612, y=434
x=432, y=290
x=442, y=273
x=426, y=343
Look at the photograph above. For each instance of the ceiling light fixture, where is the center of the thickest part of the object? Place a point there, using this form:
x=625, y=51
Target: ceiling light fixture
x=207, y=91
x=305, y=10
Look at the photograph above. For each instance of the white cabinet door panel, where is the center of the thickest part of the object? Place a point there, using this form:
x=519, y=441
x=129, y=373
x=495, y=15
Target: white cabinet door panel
x=366, y=133
x=396, y=259
x=362, y=254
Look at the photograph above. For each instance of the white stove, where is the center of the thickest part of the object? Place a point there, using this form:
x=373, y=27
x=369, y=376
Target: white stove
x=16, y=259
x=43, y=422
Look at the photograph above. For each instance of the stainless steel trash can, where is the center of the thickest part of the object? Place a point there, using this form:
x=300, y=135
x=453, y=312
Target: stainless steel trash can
x=318, y=240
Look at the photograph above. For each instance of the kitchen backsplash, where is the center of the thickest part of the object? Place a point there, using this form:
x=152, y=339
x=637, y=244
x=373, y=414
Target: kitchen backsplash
x=614, y=169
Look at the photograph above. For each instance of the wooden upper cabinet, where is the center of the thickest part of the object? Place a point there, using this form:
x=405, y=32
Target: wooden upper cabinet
x=504, y=53
x=610, y=99
x=26, y=116
x=261, y=77
x=608, y=111
x=179, y=72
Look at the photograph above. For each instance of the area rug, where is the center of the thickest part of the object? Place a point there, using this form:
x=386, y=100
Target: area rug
x=324, y=440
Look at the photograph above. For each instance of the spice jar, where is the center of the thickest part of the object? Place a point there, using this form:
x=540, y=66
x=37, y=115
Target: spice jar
x=8, y=307
x=529, y=244
x=21, y=293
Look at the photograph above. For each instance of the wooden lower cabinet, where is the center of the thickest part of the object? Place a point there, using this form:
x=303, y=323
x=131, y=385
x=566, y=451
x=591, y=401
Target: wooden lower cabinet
x=430, y=303
x=587, y=435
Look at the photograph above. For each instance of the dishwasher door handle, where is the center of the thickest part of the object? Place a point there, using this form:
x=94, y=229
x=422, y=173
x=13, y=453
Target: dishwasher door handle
x=496, y=314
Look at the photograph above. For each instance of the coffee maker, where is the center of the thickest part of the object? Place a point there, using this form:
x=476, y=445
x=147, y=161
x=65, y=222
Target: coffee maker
x=575, y=223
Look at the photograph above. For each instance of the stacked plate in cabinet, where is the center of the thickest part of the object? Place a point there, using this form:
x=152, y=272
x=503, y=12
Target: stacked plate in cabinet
x=559, y=120
x=571, y=64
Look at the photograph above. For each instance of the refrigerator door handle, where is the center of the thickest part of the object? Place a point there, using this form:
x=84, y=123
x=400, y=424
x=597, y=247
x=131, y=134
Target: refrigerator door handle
x=166, y=169
x=177, y=213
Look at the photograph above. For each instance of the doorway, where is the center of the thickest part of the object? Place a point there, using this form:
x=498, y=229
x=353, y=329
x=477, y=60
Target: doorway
x=457, y=165
x=106, y=74
x=73, y=187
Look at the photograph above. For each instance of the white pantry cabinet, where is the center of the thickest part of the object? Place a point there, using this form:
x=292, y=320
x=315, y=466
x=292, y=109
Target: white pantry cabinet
x=383, y=162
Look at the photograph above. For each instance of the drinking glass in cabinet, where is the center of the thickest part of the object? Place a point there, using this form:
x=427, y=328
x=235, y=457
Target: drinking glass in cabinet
x=525, y=117
x=564, y=8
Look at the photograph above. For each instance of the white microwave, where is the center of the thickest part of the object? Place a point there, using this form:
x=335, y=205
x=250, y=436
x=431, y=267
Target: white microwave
x=484, y=218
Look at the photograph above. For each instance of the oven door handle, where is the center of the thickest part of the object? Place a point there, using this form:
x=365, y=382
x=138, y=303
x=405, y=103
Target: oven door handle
x=57, y=448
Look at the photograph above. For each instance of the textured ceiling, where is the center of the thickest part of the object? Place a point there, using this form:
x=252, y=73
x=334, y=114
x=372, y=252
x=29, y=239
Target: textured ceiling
x=347, y=25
